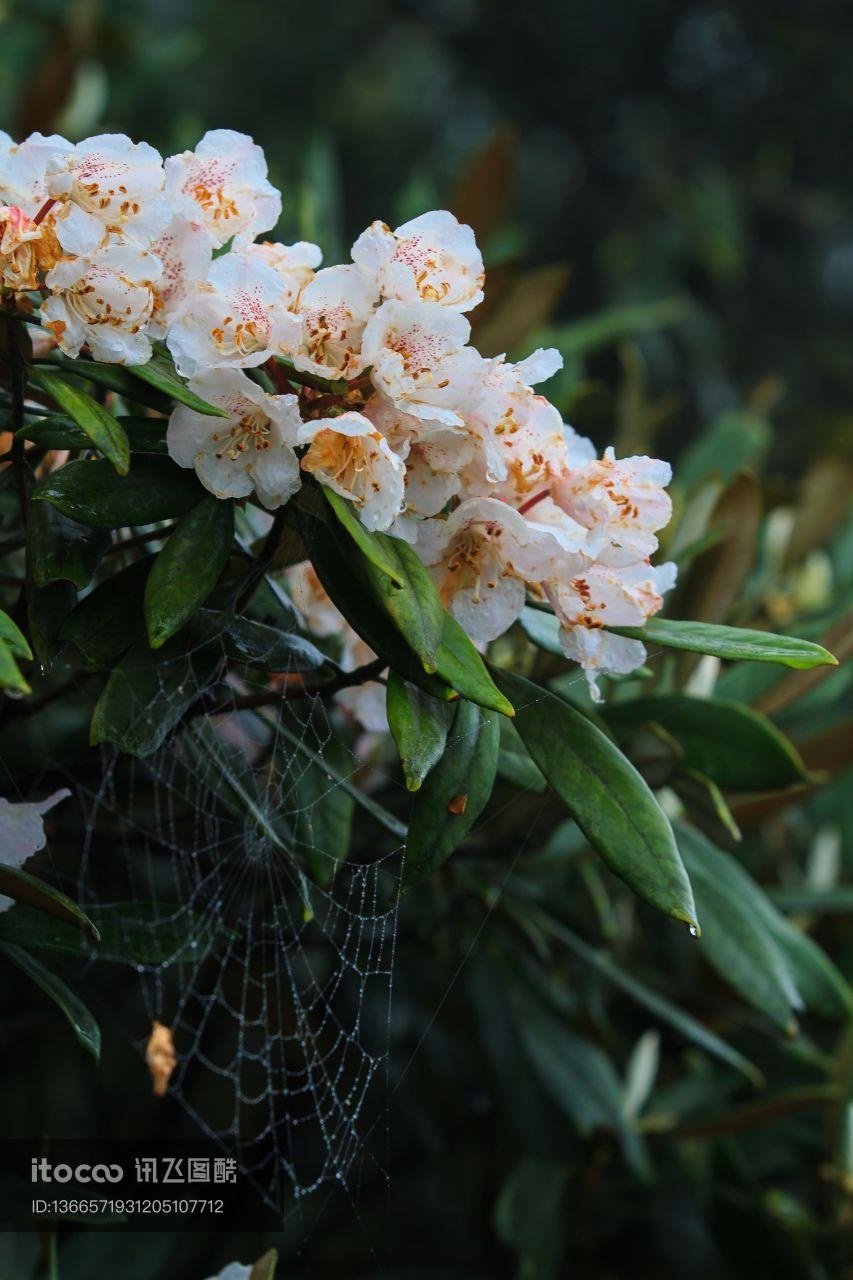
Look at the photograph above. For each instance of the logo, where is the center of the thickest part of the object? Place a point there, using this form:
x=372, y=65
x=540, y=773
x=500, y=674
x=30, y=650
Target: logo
x=43, y=1171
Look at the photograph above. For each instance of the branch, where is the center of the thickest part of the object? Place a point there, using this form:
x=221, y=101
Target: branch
x=290, y=693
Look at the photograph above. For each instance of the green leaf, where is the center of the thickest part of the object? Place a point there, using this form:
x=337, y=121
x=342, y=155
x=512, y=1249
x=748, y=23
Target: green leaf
x=83, y=1023
x=145, y=435
x=13, y=637
x=461, y=666
x=47, y=607
x=735, y=939
x=414, y=606
x=644, y=995
x=258, y=645
x=61, y=549
x=131, y=933
x=101, y=428
x=605, y=795
x=155, y=489
x=33, y=892
x=114, y=377
x=419, y=725
x=373, y=546
x=454, y=793
x=13, y=645
x=726, y=642
x=148, y=693
x=736, y=747
x=160, y=374
x=187, y=567
x=514, y=762
x=323, y=816
x=706, y=806
x=107, y=621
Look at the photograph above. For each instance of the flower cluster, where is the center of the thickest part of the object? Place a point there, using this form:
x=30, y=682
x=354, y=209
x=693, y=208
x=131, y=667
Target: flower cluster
x=360, y=374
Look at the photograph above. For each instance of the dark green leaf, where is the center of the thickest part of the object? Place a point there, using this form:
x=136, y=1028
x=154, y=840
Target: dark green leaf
x=114, y=377
x=33, y=892
x=419, y=725
x=258, y=645
x=461, y=666
x=61, y=549
x=706, y=806
x=543, y=629
x=414, y=606
x=155, y=489
x=47, y=607
x=187, y=568
x=514, y=762
x=728, y=642
x=736, y=747
x=148, y=693
x=735, y=939
x=130, y=933
x=145, y=435
x=101, y=428
x=605, y=795
x=109, y=619
x=454, y=793
x=84, y=1025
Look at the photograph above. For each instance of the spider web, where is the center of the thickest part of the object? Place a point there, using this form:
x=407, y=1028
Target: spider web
x=268, y=956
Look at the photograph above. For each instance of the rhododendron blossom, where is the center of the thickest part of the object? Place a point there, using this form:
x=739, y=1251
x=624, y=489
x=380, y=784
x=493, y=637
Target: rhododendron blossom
x=359, y=376
x=250, y=450
x=433, y=258
x=224, y=184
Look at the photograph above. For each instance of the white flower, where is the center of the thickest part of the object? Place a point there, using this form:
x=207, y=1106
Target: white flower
x=23, y=169
x=108, y=184
x=185, y=253
x=349, y=455
x=250, y=450
x=435, y=455
x=419, y=359
x=19, y=249
x=608, y=596
x=482, y=555
x=233, y=319
x=333, y=309
x=234, y=1271
x=295, y=264
x=105, y=300
x=522, y=434
x=22, y=832
x=433, y=258
x=224, y=184
x=307, y=592
x=622, y=502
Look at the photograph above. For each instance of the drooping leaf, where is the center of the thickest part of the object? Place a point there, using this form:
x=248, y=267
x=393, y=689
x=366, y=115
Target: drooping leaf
x=724, y=642
x=188, y=567
x=103, y=431
x=82, y=1021
x=29, y=890
x=454, y=793
x=736, y=747
x=149, y=692
x=113, y=377
x=13, y=645
x=419, y=725
x=154, y=489
x=461, y=666
x=13, y=637
x=61, y=549
x=605, y=795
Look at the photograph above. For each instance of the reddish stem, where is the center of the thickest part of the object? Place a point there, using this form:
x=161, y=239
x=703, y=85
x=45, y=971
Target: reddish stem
x=531, y=502
x=44, y=211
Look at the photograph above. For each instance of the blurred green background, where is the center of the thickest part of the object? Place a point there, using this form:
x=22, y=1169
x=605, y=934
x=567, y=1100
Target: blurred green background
x=663, y=189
